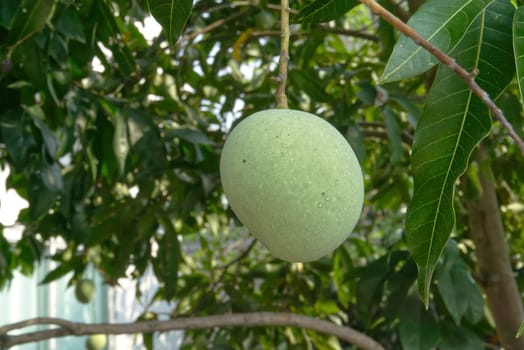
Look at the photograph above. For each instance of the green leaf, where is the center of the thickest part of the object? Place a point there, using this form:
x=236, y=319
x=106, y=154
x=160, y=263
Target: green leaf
x=31, y=63
x=120, y=141
x=518, y=47
x=453, y=122
x=413, y=110
x=50, y=141
x=168, y=260
x=394, y=140
x=343, y=271
x=324, y=10
x=418, y=328
x=172, y=16
x=31, y=16
x=458, y=338
x=521, y=330
x=191, y=135
x=399, y=284
x=59, y=51
x=370, y=287
x=52, y=177
x=309, y=83
x=41, y=197
x=138, y=125
x=511, y=105
x=7, y=13
x=457, y=288
x=148, y=340
x=70, y=24
x=110, y=32
x=441, y=22
x=16, y=136
x=355, y=138
x=60, y=271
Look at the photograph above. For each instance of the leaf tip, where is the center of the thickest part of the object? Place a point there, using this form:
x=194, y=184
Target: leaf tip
x=424, y=284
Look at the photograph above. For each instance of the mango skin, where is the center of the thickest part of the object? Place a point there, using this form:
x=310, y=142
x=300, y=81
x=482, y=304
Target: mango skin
x=96, y=342
x=294, y=181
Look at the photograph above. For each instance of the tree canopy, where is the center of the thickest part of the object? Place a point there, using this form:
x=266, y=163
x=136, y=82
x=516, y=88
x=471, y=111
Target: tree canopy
x=114, y=139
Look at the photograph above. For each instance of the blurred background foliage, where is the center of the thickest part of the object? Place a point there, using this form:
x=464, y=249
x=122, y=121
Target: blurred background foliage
x=114, y=138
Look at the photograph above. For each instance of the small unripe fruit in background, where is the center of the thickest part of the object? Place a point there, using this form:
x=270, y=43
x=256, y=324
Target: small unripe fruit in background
x=264, y=20
x=96, y=341
x=85, y=290
x=294, y=181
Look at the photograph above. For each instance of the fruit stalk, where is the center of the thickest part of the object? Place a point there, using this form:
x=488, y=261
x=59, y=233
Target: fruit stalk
x=284, y=55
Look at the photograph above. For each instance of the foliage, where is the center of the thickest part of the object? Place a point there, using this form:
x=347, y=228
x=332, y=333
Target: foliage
x=114, y=139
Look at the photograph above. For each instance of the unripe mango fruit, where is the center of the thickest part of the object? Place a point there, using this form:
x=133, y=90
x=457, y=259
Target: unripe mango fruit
x=85, y=290
x=96, y=342
x=293, y=180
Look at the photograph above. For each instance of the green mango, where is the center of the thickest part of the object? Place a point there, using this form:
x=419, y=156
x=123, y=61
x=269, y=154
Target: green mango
x=96, y=342
x=294, y=181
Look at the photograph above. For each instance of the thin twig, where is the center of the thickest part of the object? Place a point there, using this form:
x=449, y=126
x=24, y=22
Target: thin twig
x=279, y=8
x=236, y=260
x=324, y=28
x=468, y=77
x=348, y=32
x=241, y=256
x=214, y=25
x=284, y=55
x=254, y=319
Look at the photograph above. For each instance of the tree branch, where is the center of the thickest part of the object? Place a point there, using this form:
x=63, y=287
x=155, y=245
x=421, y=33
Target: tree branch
x=284, y=55
x=255, y=319
x=468, y=77
x=494, y=271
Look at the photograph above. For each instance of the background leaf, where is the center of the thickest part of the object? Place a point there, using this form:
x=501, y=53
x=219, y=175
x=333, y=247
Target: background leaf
x=121, y=141
x=70, y=24
x=442, y=23
x=456, y=286
x=394, y=139
x=166, y=265
x=455, y=338
x=453, y=123
x=15, y=134
x=417, y=327
x=521, y=330
x=109, y=30
x=518, y=47
x=7, y=13
x=30, y=18
x=172, y=16
x=324, y=10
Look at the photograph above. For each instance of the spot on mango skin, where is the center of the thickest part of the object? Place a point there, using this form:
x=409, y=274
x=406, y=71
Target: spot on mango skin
x=293, y=157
